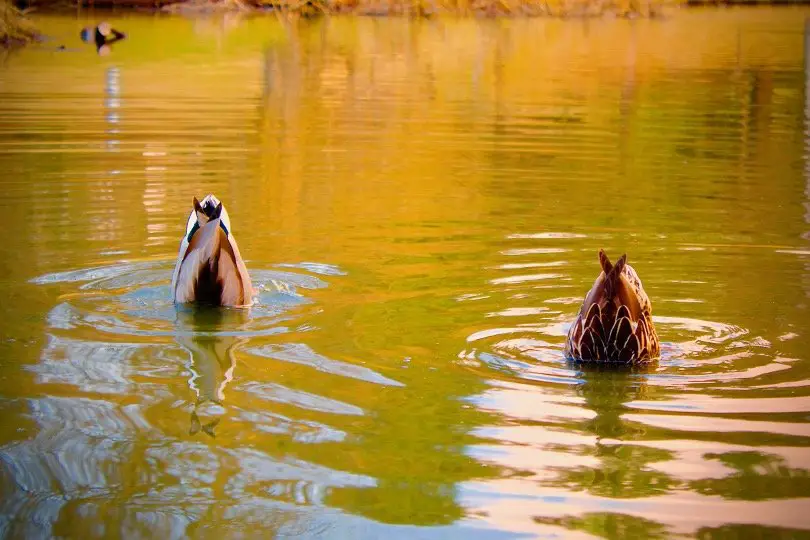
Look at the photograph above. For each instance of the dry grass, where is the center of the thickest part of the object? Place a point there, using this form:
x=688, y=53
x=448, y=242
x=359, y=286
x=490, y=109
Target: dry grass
x=426, y=8
x=558, y=8
x=15, y=29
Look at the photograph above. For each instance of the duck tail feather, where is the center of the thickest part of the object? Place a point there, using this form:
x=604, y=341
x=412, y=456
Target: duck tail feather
x=612, y=277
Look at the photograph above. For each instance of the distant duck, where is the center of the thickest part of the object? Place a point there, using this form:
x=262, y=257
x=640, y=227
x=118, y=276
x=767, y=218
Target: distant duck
x=614, y=324
x=209, y=268
x=103, y=35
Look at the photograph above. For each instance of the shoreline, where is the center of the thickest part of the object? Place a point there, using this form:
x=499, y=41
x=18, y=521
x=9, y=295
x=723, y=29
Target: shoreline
x=386, y=8
x=565, y=9
x=16, y=29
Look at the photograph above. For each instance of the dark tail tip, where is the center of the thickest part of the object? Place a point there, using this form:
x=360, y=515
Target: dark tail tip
x=604, y=262
x=612, y=277
x=619, y=266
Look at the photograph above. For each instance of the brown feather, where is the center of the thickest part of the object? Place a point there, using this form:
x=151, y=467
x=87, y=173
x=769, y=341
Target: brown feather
x=232, y=291
x=620, y=334
x=203, y=246
x=604, y=262
x=614, y=323
x=629, y=351
x=241, y=269
x=212, y=271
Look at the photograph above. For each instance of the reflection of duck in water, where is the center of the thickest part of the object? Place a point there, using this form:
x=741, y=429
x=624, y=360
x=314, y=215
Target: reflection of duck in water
x=103, y=36
x=212, y=360
x=209, y=268
x=621, y=468
x=606, y=391
x=615, y=321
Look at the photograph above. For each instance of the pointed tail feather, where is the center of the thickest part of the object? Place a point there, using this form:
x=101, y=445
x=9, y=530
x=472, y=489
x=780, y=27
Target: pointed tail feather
x=604, y=262
x=612, y=277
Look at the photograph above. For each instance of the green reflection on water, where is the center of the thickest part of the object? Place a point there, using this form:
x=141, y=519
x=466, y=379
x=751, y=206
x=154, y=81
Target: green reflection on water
x=421, y=203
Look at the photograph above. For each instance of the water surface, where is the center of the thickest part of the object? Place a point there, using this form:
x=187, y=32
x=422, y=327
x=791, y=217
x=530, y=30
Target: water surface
x=420, y=204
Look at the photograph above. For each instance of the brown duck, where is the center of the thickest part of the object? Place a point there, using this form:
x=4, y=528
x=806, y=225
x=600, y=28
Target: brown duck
x=615, y=321
x=209, y=268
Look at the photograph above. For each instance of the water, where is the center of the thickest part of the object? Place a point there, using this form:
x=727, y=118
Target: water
x=420, y=204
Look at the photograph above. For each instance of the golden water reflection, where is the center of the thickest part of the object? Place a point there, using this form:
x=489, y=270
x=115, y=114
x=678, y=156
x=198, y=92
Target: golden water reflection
x=420, y=204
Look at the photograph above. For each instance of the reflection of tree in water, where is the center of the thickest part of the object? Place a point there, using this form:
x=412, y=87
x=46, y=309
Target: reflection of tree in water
x=416, y=454
x=417, y=502
x=411, y=458
x=733, y=532
x=397, y=463
x=758, y=476
x=623, y=472
x=806, y=234
x=609, y=525
x=416, y=458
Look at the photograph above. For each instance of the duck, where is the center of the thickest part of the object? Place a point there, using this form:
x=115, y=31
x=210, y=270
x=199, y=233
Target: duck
x=209, y=268
x=103, y=35
x=614, y=324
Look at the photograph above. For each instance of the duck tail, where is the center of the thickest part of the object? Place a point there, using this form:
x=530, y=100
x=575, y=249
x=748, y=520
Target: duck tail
x=612, y=272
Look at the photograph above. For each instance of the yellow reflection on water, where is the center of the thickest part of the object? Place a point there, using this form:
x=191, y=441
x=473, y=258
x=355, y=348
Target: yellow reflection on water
x=420, y=204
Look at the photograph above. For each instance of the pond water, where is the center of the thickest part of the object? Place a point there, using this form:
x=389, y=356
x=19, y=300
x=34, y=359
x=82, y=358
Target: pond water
x=420, y=204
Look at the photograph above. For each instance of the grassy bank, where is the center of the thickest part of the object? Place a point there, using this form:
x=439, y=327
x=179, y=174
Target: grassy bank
x=564, y=8
x=14, y=27
x=421, y=8
x=418, y=8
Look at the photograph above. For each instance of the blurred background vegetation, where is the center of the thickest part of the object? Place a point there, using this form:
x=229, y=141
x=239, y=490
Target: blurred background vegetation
x=14, y=27
x=12, y=19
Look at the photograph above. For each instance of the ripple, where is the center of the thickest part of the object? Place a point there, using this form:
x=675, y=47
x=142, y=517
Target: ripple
x=30, y=517
x=521, y=266
x=91, y=274
x=533, y=251
x=305, y=400
x=164, y=344
x=302, y=431
x=491, y=332
x=695, y=423
x=89, y=366
x=259, y=468
x=518, y=312
x=133, y=299
x=546, y=236
x=300, y=353
x=524, y=278
x=718, y=405
x=317, y=268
